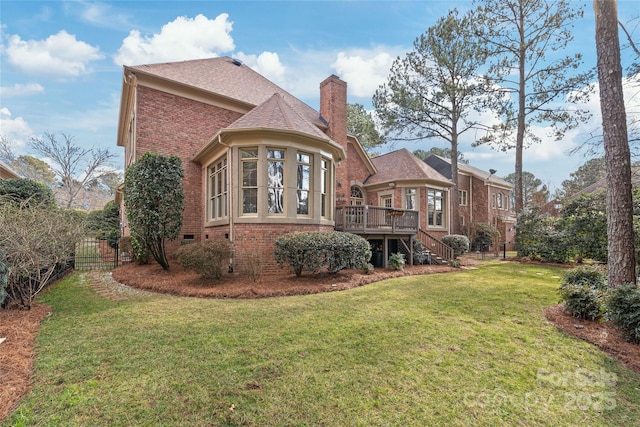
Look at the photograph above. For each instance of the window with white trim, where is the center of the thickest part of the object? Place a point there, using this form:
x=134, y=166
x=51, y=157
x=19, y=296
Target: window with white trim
x=410, y=198
x=435, y=208
x=218, y=190
x=357, y=198
x=386, y=201
x=324, y=185
x=249, y=188
x=463, y=197
x=303, y=182
x=275, y=181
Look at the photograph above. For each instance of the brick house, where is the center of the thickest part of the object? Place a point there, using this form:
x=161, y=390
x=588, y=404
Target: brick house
x=483, y=196
x=260, y=163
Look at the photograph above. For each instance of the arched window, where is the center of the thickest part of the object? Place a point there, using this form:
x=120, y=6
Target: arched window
x=357, y=198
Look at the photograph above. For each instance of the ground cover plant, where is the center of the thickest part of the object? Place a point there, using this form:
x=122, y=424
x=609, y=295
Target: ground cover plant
x=464, y=348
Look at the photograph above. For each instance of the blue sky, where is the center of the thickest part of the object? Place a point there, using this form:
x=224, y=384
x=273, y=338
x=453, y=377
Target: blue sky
x=61, y=61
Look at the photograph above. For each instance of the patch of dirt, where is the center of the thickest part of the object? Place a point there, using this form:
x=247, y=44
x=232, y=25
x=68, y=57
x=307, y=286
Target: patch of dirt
x=601, y=334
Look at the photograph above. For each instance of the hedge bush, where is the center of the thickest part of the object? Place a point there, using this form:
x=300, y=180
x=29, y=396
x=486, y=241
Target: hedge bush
x=457, y=242
x=27, y=192
x=314, y=250
x=583, y=291
x=206, y=258
x=623, y=308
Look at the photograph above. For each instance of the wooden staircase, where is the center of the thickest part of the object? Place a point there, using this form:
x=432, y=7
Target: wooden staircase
x=440, y=252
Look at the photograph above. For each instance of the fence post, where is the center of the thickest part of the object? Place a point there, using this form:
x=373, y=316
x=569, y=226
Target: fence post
x=116, y=255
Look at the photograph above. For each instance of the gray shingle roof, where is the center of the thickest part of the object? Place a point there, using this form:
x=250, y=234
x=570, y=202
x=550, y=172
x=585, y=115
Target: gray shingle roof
x=276, y=114
x=444, y=166
x=228, y=78
x=403, y=165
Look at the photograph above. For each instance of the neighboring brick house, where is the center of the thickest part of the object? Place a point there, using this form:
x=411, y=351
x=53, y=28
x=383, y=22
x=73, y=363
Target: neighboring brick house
x=260, y=163
x=6, y=172
x=483, y=196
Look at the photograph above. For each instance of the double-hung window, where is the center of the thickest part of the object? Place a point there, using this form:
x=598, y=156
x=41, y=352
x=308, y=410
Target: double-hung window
x=410, y=198
x=249, y=168
x=324, y=185
x=435, y=208
x=275, y=181
x=218, y=190
x=303, y=183
x=462, y=197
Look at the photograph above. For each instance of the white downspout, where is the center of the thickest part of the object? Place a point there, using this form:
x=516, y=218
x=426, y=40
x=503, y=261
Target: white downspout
x=230, y=193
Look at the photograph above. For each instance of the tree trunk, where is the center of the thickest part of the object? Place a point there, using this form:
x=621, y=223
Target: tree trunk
x=621, y=253
x=455, y=200
x=520, y=132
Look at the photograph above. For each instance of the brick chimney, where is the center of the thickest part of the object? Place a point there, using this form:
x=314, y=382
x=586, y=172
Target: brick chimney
x=333, y=108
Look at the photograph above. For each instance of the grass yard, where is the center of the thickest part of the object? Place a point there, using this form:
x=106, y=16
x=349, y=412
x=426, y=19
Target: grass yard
x=470, y=348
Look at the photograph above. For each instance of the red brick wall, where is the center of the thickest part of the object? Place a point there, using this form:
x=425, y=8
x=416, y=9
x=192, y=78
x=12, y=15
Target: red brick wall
x=357, y=168
x=464, y=183
x=333, y=108
x=480, y=201
x=258, y=239
x=172, y=125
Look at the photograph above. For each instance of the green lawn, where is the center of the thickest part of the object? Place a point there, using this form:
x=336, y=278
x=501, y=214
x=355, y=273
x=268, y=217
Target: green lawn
x=470, y=348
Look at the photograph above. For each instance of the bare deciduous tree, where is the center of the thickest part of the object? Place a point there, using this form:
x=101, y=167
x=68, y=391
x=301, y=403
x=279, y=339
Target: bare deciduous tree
x=75, y=166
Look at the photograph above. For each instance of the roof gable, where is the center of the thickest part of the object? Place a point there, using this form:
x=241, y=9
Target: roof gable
x=402, y=165
x=276, y=114
x=228, y=78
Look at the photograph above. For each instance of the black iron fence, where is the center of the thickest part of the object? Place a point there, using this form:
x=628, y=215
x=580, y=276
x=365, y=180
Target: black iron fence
x=99, y=254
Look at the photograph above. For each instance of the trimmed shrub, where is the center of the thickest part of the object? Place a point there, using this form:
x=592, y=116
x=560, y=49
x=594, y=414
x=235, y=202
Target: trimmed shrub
x=205, y=258
x=457, y=242
x=314, y=250
x=154, y=201
x=623, y=308
x=592, y=276
x=582, y=301
x=27, y=192
x=583, y=292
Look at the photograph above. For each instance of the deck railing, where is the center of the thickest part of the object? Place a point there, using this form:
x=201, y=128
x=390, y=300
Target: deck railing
x=375, y=219
x=435, y=246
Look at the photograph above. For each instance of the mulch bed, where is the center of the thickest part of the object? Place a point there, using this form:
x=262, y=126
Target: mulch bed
x=20, y=328
x=178, y=282
x=601, y=334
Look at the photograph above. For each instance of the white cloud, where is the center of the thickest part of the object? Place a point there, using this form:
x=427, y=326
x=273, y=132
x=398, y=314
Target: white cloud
x=20, y=90
x=267, y=63
x=363, y=70
x=181, y=39
x=15, y=130
x=59, y=55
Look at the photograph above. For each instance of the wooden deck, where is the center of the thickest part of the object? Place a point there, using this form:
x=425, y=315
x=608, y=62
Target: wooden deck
x=376, y=220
